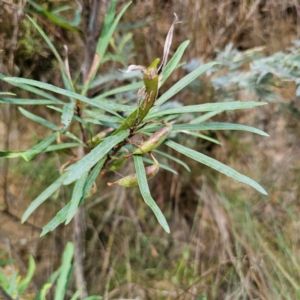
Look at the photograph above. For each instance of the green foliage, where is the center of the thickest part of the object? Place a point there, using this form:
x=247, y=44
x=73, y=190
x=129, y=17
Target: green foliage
x=112, y=113
x=264, y=74
x=14, y=285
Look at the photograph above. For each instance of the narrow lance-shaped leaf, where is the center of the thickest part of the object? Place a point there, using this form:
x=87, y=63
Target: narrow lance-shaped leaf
x=161, y=166
x=38, y=119
x=51, y=46
x=44, y=196
x=95, y=155
x=14, y=154
x=7, y=93
x=92, y=177
x=214, y=164
x=144, y=188
x=60, y=217
x=40, y=147
x=76, y=197
x=65, y=268
x=33, y=90
x=171, y=157
x=205, y=117
x=118, y=90
x=59, y=90
x=68, y=113
x=27, y=101
x=217, y=126
x=110, y=24
x=23, y=285
x=206, y=107
x=62, y=146
x=184, y=82
x=172, y=64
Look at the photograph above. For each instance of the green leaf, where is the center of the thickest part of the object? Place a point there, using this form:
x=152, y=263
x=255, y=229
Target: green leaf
x=61, y=286
x=217, y=126
x=23, y=285
x=33, y=90
x=109, y=27
x=184, y=82
x=214, y=164
x=74, y=117
x=60, y=91
x=76, y=197
x=95, y=155
x=171, y=157
x=110, y=23
x=43, y=196
x=62, y=146
x=14, y=154
x=68, y=113
x=57, y=220
x=54, y=18
x=172, y=64
x=206, y=107
x=205, y=117
x=40, y=147
x=144, y=188
x=92, y=177
x=76, y=295
x=161, y=166
x=42, y=293
x=118, y=107
x=51, y=46
x=101, y=117
x=201, y=136
x=28, y=101
x=7, y=93
x=38, y=119
x=121, y=89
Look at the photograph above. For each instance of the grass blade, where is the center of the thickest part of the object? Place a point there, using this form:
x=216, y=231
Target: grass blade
x=23, y=285
x=95, y=155
x=144, y=188
x=64, y=273
x=44, y=196
x=216, y=165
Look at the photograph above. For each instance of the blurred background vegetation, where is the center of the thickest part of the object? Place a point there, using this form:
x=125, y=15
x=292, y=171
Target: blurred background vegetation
x=227, y=241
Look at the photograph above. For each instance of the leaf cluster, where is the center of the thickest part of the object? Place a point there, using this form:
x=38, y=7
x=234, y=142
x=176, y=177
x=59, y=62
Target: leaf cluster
x=119, y=121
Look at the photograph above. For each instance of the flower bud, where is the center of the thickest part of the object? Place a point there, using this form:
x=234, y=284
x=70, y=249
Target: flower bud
x=154, y=140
